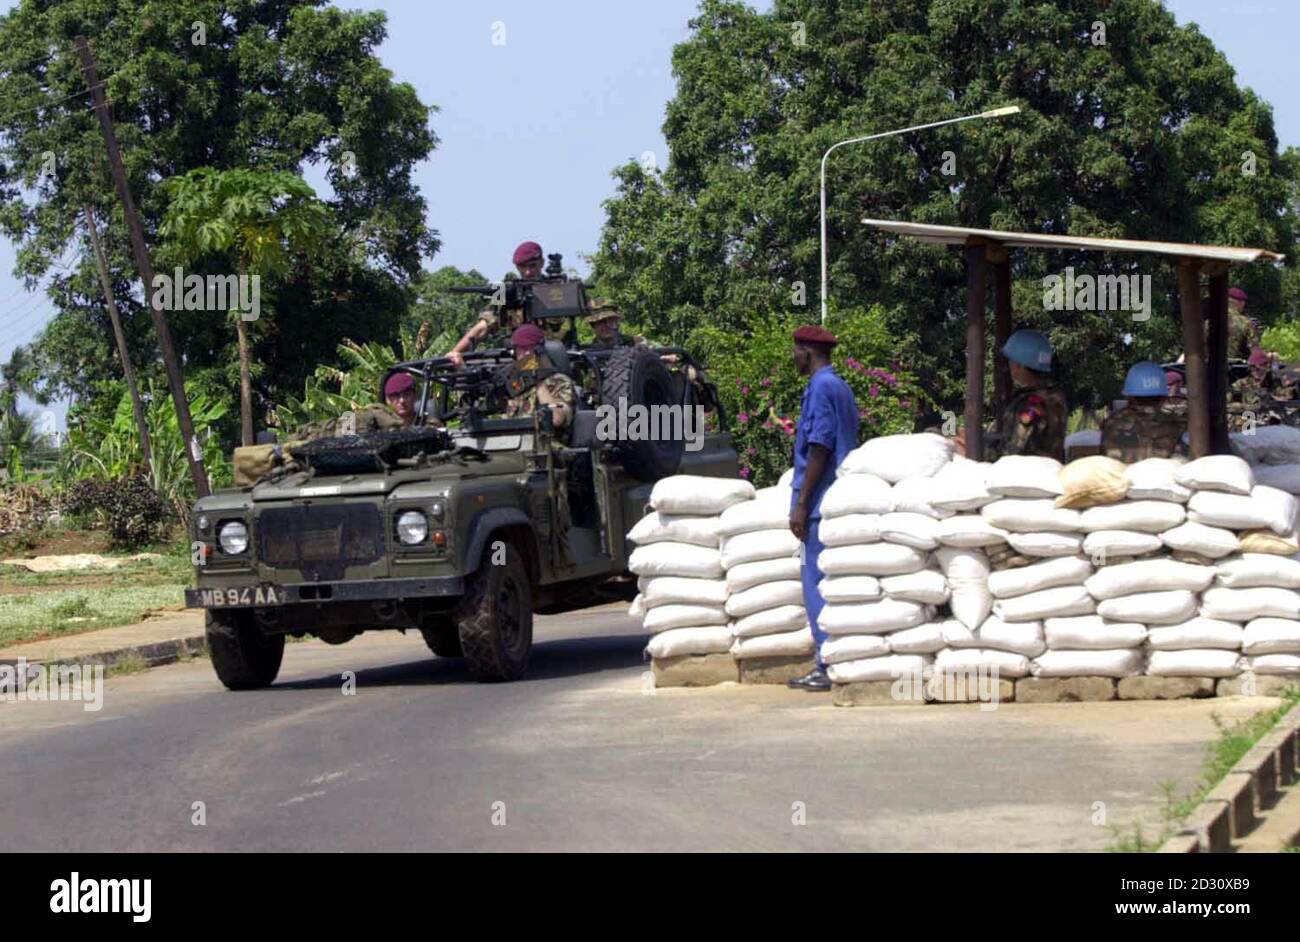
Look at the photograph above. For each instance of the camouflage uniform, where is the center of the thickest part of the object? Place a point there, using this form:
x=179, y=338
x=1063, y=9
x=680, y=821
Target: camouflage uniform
x=1242, y=336
x=1143, y=430
x=1032, y=423
x=1246, y=399
x=556, y=391
x=508, y=319
x=618, y=340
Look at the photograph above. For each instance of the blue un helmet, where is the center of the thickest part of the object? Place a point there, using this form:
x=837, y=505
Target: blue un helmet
x=1146, y=379
x=1029, y=348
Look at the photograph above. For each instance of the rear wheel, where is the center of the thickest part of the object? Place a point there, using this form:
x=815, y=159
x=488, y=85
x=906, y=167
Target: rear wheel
x=495, y=618
x=244, y=657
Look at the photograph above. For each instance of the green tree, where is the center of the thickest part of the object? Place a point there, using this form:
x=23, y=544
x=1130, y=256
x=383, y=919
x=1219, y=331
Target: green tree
x=269, y=85
x=1140, y=135
x=443, y=311
x=261, y=219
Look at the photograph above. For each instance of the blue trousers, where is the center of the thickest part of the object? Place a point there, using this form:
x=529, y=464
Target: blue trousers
x=811, y=575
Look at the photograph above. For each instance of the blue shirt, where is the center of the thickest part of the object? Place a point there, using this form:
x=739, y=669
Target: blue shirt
x=827, y=417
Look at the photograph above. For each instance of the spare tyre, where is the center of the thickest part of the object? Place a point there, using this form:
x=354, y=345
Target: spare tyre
x=650, y=442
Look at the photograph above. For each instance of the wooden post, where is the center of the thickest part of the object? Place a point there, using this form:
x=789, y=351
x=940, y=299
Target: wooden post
x=975, y=350
x=175, y=381
x=1198, y=412
x=1001, y=322
x=1217, y=357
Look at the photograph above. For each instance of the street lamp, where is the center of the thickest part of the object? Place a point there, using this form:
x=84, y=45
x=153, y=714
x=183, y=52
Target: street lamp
x=995, y=113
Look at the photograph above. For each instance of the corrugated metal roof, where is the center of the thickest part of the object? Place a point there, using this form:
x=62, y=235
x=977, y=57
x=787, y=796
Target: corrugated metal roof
x=957, y=235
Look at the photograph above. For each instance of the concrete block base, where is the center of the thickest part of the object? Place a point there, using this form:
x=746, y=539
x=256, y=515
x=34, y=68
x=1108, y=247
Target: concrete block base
x=774, y=670
x=695, y=670
x=1255, y=685
x=969, y=688
x=1064, y=689
x=870, y=693
x=1165, y=688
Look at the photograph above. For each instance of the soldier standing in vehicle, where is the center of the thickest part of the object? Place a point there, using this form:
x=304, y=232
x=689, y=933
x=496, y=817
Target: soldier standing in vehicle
x=528, y=262
x=826, y=432
x=605, y=319
x=555, y=391
x=1242, y=334
x=1149, y=426
x=399, y=394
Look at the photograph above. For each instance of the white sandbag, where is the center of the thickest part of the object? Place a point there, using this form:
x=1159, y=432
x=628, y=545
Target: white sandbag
x=1232, y=511
x=655, y=527
x=713, y=639
x=857, y=494
x=849, y=529
x=638, y=608
x=854, y=647
x=850, y=588
x=745, y=575
x=960, y=485
x=1251, y=570
x=889, y=667
x=1020, y=515
x=1104, y=544
x=1020, y=637
x=778, y=493
x=676, y=559
x=1145, y=516
x=759, y=544
x=1216, y=473
x=1117, y=662
x=1092, y=633
x=784, y=644
x=1285, y=477
x=1046, y=544
x=1028, y=476
x=1067, y=570
x=698, y=494
x=1246, y=604
x=1203, y=540
x=679, y=590
x=663, y=617
x=923, y=639
x=894, y=457
x=967, y=572
x=1283, y=505
x=909, y=529
x=976, y=660
x=925, y=585
x=872, y=559
x=1199, y=632
x=1271, y=636
x=765, y=596
x=1150, y=608
x=915, y=496
x=1048, y=603
x=1148, y=575
x=1194, y=662
x=1153, y=479
x=869, y=618
x=786, y=479
x=968, y=530
x=770, y=621
x=1273, y=664
x=762, y=513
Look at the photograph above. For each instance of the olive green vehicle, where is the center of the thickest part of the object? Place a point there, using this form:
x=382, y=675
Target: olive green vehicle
x=456, y=527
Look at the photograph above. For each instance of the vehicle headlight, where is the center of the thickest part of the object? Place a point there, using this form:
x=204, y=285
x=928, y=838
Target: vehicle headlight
x=412, y=527
x=233, y=537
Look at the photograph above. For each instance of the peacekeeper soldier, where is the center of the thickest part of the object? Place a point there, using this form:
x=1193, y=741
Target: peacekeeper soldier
x=1248, y=397
x=1148, y=427
x=554, y=391
x=604, y=320
x=1033, y=420
x=528, y=262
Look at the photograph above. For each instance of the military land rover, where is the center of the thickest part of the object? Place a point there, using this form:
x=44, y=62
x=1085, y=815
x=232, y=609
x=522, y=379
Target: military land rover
x=460, y=526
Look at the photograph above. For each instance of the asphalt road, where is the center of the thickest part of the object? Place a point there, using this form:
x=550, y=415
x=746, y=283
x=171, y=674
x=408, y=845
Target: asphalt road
x=581, y=755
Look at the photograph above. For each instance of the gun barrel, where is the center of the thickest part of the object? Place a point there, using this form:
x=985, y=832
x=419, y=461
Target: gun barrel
x=473, y=289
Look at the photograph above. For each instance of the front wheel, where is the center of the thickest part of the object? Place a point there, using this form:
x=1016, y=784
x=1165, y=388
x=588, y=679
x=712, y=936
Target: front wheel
x=495, y=618
x=244, y=657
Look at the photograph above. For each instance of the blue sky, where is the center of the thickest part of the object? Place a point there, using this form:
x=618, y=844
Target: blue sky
x=530, y=129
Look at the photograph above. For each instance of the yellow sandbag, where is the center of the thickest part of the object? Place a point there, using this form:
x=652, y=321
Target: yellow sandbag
x=1266, y=541
x=1090, y=481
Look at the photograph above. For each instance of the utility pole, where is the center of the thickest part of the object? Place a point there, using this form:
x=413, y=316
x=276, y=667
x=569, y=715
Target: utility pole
x=137, y=407
x=174, y=380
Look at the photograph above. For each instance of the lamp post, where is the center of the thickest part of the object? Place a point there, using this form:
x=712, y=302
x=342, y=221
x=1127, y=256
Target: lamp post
x=995, y=113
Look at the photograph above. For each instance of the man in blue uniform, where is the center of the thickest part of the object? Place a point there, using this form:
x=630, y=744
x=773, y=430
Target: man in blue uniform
x=826, y=433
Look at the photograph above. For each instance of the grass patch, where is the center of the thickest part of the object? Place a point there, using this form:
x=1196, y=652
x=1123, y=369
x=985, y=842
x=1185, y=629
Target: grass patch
x=1232, y=742
x=130, y=663
x=31, y=616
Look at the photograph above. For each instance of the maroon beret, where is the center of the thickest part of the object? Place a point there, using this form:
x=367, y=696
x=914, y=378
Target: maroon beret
x=527, y=251
x=1259, y=358
x=1237, y=294
x=398, y=383
x=813, y=333
x=527, y=336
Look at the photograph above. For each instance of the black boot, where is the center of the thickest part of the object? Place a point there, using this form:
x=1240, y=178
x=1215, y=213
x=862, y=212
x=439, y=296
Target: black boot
x=815, y=679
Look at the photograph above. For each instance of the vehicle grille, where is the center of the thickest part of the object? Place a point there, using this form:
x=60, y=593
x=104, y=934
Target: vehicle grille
x=320, y=541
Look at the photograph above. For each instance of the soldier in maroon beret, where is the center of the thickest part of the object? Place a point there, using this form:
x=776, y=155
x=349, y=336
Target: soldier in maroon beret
x=528, y=262
x=399, y=393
